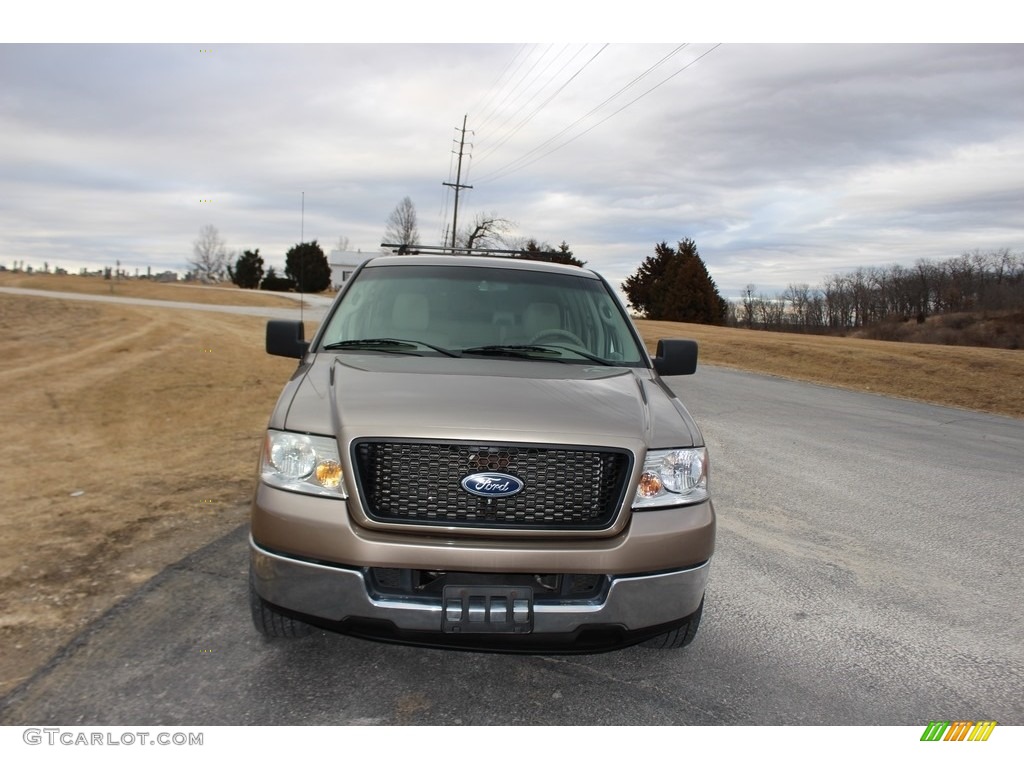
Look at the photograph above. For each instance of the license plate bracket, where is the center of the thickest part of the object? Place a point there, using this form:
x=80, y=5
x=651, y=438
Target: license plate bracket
x=486, y=610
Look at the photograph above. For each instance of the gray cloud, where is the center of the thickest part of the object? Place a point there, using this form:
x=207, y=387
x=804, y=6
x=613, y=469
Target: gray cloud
x=784, y=163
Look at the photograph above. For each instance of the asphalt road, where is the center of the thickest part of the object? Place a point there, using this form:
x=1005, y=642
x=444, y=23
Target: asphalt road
x=868, y=571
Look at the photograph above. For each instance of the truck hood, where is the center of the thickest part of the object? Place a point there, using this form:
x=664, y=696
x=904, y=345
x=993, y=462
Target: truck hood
x=376, y=395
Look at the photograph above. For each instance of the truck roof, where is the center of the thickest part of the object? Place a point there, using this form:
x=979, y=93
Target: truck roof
x=495, y=262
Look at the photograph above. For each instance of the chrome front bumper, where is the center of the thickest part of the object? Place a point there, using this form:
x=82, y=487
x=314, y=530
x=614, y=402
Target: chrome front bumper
x=337, y=594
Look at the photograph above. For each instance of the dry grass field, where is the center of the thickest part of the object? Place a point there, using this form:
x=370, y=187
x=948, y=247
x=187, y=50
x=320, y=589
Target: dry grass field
x=130, y=437
x=130, y=434
x=980, y=379
x=145, y=289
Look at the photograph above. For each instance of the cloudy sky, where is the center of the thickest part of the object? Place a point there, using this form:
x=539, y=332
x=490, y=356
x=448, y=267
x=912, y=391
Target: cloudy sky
x=784, y=162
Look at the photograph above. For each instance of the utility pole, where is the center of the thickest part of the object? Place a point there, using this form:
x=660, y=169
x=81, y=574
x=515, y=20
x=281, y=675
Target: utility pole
x=458, y=182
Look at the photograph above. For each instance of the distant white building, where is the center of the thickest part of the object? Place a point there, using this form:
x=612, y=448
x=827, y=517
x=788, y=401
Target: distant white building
x=343, y=264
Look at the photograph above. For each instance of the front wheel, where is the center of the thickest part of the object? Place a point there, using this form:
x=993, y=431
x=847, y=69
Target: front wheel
x=270, y=621
x=681, y=636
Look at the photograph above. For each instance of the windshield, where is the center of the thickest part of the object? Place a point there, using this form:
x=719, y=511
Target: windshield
x=471, y=311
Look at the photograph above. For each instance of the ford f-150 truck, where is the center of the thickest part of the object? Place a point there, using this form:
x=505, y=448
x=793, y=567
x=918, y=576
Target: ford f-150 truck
x=478, y=452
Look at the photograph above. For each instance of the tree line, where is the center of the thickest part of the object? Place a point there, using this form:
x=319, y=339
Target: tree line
x=867, y=296
x=306, y=267
x=486, y=231
x=674, y=284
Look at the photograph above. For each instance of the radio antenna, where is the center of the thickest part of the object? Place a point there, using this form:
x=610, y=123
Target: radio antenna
x=302, y=239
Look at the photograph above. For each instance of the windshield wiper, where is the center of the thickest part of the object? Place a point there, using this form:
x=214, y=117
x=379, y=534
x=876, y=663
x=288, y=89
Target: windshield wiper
x=398, y=346
x=581, y=353
x=526, y=351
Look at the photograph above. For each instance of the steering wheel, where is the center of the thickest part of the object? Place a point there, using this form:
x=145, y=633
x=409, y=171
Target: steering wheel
x=558, y=333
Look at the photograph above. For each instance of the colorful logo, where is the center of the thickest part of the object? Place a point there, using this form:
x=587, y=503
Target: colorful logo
x=958, y=730
x=492, y=484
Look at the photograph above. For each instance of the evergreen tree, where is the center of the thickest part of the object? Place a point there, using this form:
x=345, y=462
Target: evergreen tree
x=543, y=252
x=274, y=282
x=307, y=266
x=674, y=284
x=248, y=271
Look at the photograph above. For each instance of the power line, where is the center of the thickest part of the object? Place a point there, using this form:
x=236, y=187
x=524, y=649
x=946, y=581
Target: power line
x=486, y=116
x=523, y=161
x=631, y=83
x=519, y=62
x=502, y=140
x=510, y=103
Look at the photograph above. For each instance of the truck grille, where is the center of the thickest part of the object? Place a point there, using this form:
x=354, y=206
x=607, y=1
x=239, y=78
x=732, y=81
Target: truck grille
x=419, y=483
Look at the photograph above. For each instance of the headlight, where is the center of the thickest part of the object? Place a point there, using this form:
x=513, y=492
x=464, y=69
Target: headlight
x=303, y=463
x=673, y=477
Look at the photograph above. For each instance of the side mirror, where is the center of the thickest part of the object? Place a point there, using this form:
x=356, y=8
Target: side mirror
x=676, y=357
x=286, y=338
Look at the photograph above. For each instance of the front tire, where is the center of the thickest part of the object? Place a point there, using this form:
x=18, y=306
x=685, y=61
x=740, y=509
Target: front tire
x=681, y=636
x=270, y=621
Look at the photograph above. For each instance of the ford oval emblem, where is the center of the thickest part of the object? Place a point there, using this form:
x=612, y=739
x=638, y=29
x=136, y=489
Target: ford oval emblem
x=492, y=484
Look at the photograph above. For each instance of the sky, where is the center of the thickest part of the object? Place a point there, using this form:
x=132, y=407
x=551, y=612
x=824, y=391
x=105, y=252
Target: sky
x=785, y=160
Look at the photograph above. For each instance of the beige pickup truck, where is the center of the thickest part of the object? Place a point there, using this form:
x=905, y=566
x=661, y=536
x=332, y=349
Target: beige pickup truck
x=477, y=452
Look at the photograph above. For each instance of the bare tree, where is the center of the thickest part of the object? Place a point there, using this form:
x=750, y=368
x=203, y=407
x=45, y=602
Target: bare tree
x=770, y=311
x=401, y=228
x=798, y=298
x=343, y=244
x=486, y=231
x=210, y=256
x=747, y=317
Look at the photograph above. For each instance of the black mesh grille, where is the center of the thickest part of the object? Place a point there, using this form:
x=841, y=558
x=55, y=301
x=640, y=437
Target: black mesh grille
x=420, y=483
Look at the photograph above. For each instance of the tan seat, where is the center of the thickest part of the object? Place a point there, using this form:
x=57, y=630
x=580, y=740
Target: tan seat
x=541, y=316
x=410, y=313
x=411, y=319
